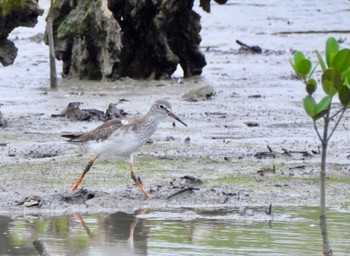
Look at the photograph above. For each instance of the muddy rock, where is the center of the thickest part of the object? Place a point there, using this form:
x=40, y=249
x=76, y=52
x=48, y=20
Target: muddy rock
x=28, y=11
x=205, y=4
x=87, y=39
x=147, y=39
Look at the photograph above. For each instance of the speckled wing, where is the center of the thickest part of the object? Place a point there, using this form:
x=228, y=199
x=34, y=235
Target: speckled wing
x=100, y=133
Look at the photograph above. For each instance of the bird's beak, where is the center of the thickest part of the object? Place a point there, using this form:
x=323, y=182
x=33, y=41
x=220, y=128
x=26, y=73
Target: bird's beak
x=171, y=114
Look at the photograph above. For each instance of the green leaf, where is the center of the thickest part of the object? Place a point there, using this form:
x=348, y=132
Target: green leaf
x=323, y=104
x=302, y=66
x=345, y=74
x=331, y=81
x=341, y=60
x=321, y=61
x=332, y=47
x=311, y=86
x=320, y=114
x=322, y=107
x=298, y=56
x=346, y=80
x=344, y=96
x=310, y=106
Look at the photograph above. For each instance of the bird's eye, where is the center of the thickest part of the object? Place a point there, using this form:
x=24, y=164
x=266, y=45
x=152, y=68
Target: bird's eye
x=161, y=106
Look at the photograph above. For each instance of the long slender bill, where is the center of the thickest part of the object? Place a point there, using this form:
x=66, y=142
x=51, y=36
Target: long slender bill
x=171, y=114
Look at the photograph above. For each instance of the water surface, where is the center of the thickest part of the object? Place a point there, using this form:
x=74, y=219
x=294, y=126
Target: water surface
x=289, y=231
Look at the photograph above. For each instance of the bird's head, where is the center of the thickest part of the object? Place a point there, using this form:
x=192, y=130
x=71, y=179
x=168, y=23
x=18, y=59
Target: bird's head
x=163, y=107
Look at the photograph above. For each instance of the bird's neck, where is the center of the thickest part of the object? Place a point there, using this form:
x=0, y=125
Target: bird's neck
x=150, y=125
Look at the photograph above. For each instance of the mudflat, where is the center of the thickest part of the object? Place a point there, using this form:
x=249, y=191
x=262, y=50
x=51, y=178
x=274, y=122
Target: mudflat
x=249, y=144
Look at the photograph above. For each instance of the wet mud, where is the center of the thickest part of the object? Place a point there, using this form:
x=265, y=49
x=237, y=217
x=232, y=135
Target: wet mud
x=249, y=144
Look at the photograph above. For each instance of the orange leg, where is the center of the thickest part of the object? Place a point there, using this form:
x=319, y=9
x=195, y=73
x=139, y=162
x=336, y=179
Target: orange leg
x=87, y=168
x=137, y=182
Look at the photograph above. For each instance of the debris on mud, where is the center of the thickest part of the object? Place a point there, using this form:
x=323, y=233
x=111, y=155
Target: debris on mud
x=74, y=113
x=191, y=179
x=263, y=171
x=30, y=201
x=247, y=48
x=200, y=94
x=113, y=112
x=255, y=49
x=289, y=153
x=77, y=197
x=182, y=191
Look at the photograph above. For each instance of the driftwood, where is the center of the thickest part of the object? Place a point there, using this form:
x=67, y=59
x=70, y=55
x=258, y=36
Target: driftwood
x=287, y=152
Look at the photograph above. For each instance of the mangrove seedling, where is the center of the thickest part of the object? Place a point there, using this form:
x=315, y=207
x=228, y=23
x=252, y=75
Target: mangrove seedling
x=335, y=81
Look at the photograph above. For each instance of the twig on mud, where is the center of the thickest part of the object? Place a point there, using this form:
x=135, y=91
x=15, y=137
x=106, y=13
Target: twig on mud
x=262, y=154
x=181, y=191
x=297, y=167
x=253, y=49
x=289, y=152
x=316, y=152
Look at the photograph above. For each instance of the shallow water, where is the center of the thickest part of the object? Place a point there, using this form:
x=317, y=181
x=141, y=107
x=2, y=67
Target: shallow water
x=289, y=231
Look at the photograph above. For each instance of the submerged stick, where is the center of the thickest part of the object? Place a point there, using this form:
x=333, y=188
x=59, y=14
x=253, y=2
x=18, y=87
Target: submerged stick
x=269, y=212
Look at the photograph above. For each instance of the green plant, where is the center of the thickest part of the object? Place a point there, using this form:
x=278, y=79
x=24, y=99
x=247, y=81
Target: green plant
x=335, y=80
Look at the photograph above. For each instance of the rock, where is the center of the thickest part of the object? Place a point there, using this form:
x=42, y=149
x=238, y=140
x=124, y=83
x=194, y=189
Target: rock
x=3, y=121
x=87, y=39
x=205, y=4
x=113, y=112
x=202, y=93
x=15, y=14
x=137, y=39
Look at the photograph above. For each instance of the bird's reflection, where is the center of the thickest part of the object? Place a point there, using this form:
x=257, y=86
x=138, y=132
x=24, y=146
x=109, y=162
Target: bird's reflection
x=118, y=233
x=134, y=223
x=118, y=230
